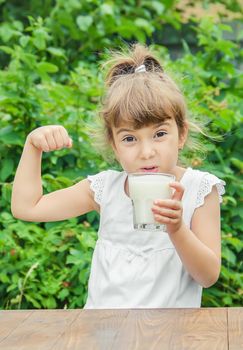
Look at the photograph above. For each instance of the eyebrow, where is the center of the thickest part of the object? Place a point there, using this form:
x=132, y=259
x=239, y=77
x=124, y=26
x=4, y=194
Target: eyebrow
x=132, y=130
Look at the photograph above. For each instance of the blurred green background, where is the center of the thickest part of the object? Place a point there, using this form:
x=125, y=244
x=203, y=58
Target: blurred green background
x=49, y=74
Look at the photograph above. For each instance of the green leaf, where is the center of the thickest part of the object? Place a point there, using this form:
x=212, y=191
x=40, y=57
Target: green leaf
x=10, y=137
x=24, y=40
x=12, y=287
x=72, y=260
x=40, y=38
x=6, y=216
x=6, y=192
x=186, y=47
x=84, y=22
x=7, y=169
x=58, y=52
x=237, y=163
x=87, y=240
x=92, y=216
x=50, y=302
x=4, y=278
x=106, y=9
x=229, y=255
x=7, y=32
x=236, y=243
x=158, y=6
x=143, y=23
x=230, y=200
x=46, y=67
x=227, y=300
x=33, y=301
x=7, y=49
x=83, y=276
x=63, y=294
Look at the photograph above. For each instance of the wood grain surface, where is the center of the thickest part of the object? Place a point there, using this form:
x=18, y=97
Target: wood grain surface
x=235, y=325
x=120, y=329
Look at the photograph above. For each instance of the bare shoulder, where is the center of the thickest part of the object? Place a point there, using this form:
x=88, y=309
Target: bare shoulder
x=210, y=208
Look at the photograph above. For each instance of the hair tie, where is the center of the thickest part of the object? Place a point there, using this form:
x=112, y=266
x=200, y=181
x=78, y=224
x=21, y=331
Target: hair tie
x=140, y=69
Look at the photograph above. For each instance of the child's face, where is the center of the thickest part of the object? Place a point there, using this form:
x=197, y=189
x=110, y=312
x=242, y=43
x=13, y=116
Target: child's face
x=153, y=148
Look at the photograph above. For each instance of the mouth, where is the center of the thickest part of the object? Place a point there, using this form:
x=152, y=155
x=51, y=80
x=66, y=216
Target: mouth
x=151, y=169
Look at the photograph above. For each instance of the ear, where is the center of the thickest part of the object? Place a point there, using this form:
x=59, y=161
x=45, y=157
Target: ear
x=183, y=135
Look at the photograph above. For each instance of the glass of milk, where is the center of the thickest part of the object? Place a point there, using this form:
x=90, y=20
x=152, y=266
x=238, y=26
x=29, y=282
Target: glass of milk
x=144, y=188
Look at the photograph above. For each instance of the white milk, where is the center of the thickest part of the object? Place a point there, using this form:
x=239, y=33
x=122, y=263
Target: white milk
x=143, y=190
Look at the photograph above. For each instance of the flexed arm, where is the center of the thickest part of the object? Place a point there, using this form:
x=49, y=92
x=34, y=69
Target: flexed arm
x=28, y=202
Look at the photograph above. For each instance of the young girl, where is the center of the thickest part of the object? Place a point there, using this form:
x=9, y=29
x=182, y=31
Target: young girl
x=145, y=124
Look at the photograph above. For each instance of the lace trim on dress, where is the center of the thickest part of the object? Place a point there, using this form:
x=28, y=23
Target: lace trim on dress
x=97, y=185
x=206, y=187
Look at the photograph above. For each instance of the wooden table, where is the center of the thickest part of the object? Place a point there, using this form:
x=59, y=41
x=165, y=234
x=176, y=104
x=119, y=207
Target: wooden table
x=143, y=329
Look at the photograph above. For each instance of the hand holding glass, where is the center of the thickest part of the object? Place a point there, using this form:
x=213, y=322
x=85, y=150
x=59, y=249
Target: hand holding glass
x=144, y=188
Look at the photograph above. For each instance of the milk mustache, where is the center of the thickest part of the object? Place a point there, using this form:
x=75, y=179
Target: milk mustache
x=144, y=188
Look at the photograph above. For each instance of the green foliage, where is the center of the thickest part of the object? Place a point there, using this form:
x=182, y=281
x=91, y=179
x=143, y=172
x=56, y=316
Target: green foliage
x=84, y=27
x=213, y=85
x=44, y=267
x=50, y=74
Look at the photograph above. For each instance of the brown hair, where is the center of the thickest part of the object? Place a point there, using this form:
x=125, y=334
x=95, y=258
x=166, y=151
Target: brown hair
x=138, y=99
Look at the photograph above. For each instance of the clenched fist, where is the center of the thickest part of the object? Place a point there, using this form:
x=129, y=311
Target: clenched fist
x=50, y=138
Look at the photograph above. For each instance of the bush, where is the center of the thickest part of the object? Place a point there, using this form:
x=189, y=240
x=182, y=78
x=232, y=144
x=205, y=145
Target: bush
x=50, y=74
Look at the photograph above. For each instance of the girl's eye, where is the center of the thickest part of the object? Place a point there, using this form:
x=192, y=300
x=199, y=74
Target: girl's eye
x=128, y=139
x=160, y=134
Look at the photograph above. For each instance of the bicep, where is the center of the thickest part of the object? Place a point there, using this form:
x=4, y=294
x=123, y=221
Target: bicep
x=65, y=203
x=206, y=222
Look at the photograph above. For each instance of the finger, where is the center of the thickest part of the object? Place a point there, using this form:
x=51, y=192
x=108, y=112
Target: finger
x=67, y=142
x=172, y=214
x=58, y=139
x=50, y=140
x=164, y=219
x=70, y=144
x=41, y=144
x=168, y=203
x=179, y=190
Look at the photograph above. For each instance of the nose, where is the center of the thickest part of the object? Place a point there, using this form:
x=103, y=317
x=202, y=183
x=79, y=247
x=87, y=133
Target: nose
x=147, y=150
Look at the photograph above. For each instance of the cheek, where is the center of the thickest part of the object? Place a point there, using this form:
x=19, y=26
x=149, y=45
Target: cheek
x=122, y=155
x=170, y=153
x=115, y=150
x=126, y=159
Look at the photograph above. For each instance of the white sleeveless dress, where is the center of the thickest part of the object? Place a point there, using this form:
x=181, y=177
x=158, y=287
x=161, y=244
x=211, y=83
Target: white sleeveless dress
x=141, y=269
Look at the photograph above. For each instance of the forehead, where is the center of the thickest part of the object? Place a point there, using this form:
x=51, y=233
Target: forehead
x=124, y=127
